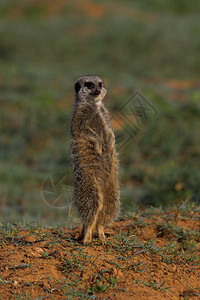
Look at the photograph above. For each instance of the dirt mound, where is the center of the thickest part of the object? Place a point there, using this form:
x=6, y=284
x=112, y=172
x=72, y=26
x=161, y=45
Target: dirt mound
x=154, y=255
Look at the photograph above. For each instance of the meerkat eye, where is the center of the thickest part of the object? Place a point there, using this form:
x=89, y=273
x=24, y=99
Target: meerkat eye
x=89, y=85
x=100, y=85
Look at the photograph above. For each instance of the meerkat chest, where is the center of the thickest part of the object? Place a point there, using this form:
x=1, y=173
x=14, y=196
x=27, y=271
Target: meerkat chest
x=97, y=123
x=107, y=132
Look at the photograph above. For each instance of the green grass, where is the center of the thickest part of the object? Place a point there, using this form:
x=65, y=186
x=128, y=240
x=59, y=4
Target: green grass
x=134, y=46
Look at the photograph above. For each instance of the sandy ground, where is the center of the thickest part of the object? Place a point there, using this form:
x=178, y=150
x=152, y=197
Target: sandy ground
x=146, y=257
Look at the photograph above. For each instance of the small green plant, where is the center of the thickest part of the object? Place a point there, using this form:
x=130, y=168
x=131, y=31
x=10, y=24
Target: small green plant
x=21, y=266
x=98, y=287
x=155, y=285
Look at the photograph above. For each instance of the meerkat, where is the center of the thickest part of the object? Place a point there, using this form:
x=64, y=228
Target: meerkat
x=95, y=162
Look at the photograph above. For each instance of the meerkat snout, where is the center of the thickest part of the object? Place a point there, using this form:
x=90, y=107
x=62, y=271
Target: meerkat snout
x=97, y=92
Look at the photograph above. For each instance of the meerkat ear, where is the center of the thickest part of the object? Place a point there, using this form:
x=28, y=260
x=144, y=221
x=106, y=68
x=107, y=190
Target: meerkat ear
x=77, y=87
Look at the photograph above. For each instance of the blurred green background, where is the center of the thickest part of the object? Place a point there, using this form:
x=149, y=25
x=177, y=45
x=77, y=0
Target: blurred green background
x=138, y=45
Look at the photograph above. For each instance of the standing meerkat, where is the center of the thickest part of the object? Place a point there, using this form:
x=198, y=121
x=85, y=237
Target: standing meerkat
x=95, y=164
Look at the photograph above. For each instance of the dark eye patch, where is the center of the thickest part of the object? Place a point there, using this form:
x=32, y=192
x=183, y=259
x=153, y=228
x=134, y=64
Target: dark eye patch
x=100, y=85
x=89, y=85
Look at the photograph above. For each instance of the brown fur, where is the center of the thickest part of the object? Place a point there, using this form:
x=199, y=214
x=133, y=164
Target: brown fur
x=95, y=164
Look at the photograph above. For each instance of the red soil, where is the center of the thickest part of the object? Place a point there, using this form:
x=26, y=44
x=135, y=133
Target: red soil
x=155, y=257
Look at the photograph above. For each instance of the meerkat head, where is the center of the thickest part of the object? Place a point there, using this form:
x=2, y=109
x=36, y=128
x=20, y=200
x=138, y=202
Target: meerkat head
x=89, y=88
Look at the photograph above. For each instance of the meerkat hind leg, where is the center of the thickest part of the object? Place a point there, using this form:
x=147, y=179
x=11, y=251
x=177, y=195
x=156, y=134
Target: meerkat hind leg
x=90, y=228
x=81, y=235
x=88, y=236
x=89, y=231
x=100, y=232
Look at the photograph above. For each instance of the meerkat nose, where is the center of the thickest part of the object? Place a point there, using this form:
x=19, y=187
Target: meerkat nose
x=97, y=92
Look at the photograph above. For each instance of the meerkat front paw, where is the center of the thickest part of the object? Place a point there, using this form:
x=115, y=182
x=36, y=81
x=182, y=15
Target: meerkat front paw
x=112, y=142
x=98, y=149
